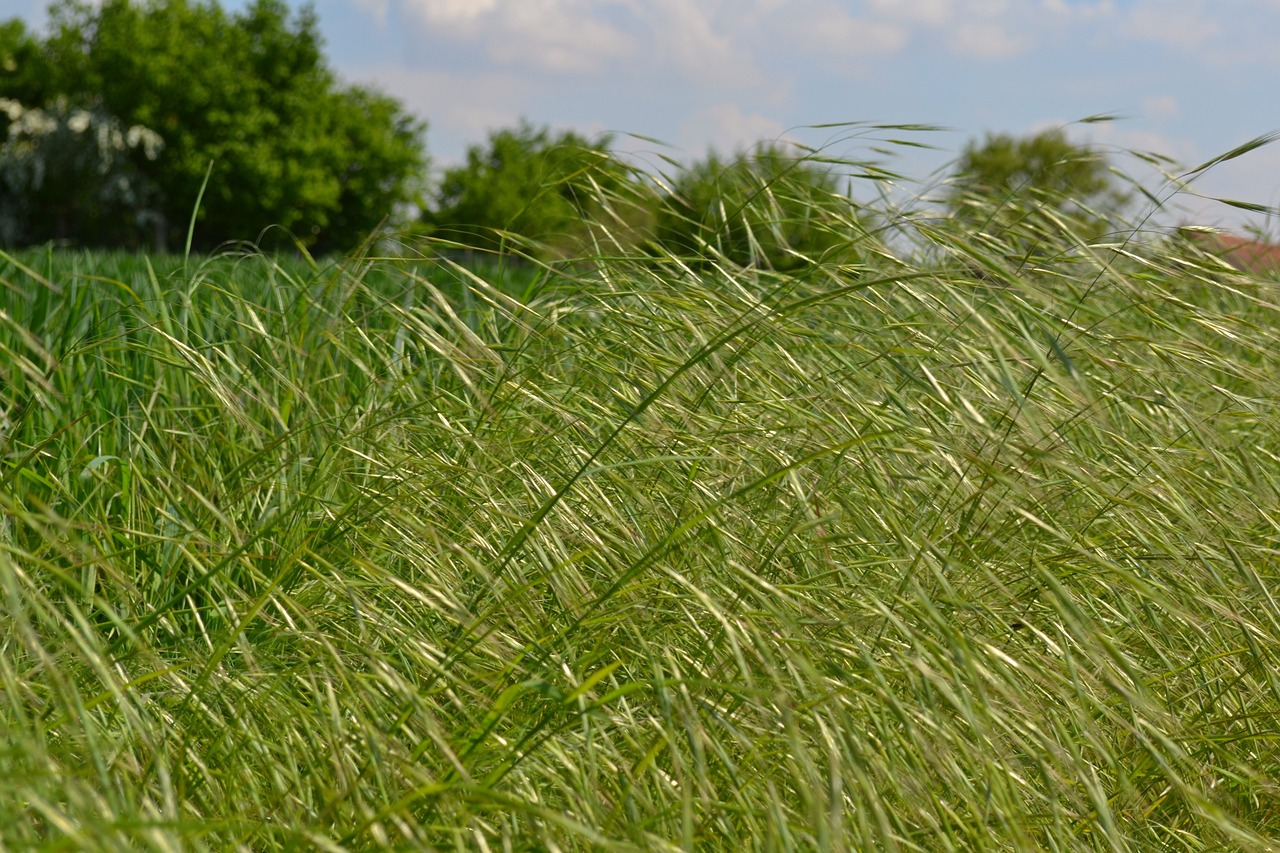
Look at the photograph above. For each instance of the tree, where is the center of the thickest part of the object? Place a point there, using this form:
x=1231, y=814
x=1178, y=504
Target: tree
x=251, y=94
x=771, y=207
x=1033, y=190
x=24, y=69
x=74, y=174
x=545, y=188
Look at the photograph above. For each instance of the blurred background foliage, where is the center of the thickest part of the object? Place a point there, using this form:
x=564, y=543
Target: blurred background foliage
x=249, y=119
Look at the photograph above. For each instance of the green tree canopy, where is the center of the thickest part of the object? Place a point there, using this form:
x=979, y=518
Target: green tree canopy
x=770, y=207
x=543, y=187
x=251, y=93
x=1028, y=188
x=24, y=68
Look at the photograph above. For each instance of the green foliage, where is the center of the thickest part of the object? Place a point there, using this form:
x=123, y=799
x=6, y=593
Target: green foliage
x=250, y=93
x=1049, y=190
x=771, y=207
x=527, y=184
x=24, y=68
x=75, y=174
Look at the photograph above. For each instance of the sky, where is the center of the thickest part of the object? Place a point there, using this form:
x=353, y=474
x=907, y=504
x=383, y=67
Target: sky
x=1187, y=79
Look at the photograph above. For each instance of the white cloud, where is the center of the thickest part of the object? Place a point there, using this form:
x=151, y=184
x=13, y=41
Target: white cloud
x=987, y=41
x=727, y=128
x=984, y=29
x=711, y=41
x=559, y=37
x=461, y=107
x=982, y=9
x=378, y=9
x=452, y=13
x=1120, y=138
x=1161, y=107
x=691, y=37
x=1081, y=10
x=1177, y=23
x=928, y=12
x=568, y=36
x=826, y=28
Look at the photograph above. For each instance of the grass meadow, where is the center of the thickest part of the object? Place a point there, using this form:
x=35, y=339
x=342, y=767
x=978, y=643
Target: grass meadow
x=944, y=549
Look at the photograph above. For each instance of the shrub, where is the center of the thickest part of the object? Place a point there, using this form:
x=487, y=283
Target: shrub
x=75, y=173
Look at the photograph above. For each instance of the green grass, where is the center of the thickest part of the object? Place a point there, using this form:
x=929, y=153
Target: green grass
x=944, y=553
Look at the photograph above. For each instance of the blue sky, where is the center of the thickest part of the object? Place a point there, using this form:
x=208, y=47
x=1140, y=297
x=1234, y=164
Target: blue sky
x=1191, y=79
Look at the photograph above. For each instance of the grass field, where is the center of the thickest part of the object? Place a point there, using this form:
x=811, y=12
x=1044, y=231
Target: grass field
x=954, y=552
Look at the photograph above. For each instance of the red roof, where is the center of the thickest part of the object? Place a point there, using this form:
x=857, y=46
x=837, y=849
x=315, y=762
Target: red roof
x=1241, y=253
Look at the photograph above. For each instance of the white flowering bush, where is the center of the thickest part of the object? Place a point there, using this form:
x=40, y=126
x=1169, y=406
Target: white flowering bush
x=74, y=173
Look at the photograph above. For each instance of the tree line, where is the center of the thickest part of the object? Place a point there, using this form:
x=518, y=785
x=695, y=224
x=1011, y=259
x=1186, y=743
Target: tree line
x=124, y=115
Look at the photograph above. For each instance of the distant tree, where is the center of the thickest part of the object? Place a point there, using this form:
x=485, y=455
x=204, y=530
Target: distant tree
x=74, y=174
x=770, y=207
x=24, y=68
x=1028, y=188
x=250, y=93
x=544, y=187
